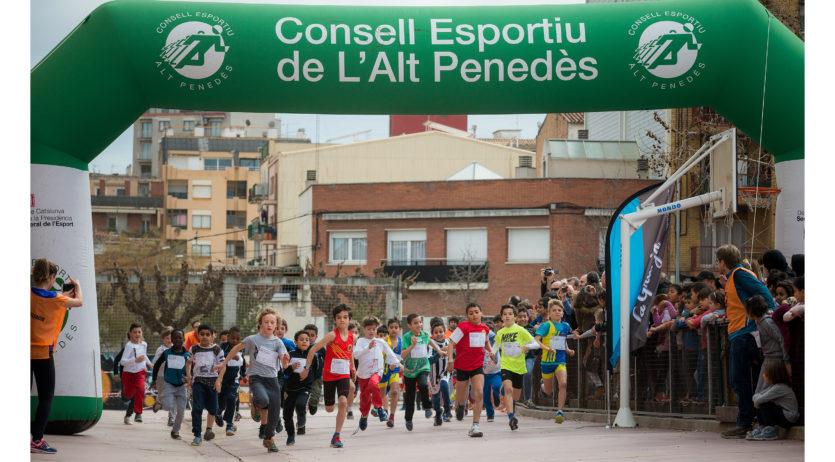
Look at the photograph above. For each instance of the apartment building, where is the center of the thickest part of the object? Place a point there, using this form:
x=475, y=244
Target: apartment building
x=125, y=204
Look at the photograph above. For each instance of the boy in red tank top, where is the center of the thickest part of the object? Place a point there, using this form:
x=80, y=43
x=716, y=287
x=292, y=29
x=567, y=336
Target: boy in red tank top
x=339, y=369
x=469, y=341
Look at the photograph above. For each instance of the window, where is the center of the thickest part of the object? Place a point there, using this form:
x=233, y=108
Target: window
x=111, y=223
x=145, y=171
x=144, y=190
x=146, y=226
x=201, y=221
x=234, y=249
x=407, y=247
x=188, y=125
x=120, y=191
x=177, y=218
x=201, y=191
x=348, y=247
x=715, y=234
x=145, y=151
x=214, y=128
x=465, y=246
x=201, y=250
x=164, y=125
x=146, y=130
x=216, y=164
x=528, y=245
x=178, y=190
x=235, y=219
x=236, y=189
x=601, y=245
x=250, y=164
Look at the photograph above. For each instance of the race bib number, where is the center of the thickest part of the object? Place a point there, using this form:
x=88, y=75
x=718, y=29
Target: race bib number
x=511, y=350
x=297, y=364
x=204, y=359
x=267, y=357
x=420, y=351
x=176, y=362
x=340, y=367
x=477, y=339
x=557, y=342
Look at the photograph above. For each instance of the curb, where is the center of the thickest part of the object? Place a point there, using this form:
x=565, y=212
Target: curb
x=665, y=423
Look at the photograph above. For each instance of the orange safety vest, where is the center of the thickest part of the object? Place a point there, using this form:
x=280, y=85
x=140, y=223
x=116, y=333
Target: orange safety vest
x=735, y=308
x=47, y=318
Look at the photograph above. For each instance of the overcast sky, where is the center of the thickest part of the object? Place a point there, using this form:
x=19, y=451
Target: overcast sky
x=52, y=20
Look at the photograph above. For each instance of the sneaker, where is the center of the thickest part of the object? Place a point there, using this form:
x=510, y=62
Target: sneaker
x=350, y=415
x=157, y=406
x=138, y=418
x=769, y=433
x=256, y=413
x=491, y=417
x=438, y=421
x=560, y=417
x=262, y=429
x=312, y=409
x=127, y=420
x=753, y=433
x=336, y=442
x=40, y=447
x=300, y=430
x=237, y=416
x=175, y=435
x=475, y=432
x=381, y=414
x=409, y=425
x=291, y=439
x=736, y=433
x=514, y=423
x=374, y=412
x=171, y=421
x=459, y=413
x=209, y=435
x=390, y=422
x=230, y=430
x=363, y=423
x=197, y=441
x=427, y=413
x=219, y=420
x=447, y=417
x=270, y=445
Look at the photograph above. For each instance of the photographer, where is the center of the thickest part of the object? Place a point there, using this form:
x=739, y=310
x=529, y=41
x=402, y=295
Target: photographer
x=548, y=277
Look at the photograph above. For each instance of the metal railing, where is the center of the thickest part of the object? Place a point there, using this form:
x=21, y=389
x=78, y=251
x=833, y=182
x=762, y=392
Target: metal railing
x=437, y=270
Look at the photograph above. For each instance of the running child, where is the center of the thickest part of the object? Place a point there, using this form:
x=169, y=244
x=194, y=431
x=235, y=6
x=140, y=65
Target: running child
x=416, y=344
x=470, y=341
x=134, y=364
x=439, y=378
x=553, y=333
x=267, y=355
x=338, y=371
x=514, y=341
x=370, y=351
x=173, y=390
x=492, y=392
x=298, y=390
x=165, y=336
x=228, y=397
x=391, y=376
x=316, y=387
x=204, y=381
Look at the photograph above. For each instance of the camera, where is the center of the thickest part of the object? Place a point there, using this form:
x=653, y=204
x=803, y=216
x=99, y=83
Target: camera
x=549, y=271
x=68, y=287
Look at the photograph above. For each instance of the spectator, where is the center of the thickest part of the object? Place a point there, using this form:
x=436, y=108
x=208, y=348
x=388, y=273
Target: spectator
x=800, y=294
x=784, y=293
x=741, y=285
x=708, y=278
x=592, y=278
x=798, y=264
x=585, y=306
x=776, y=404
x=774, y=276
x=663, y=316
x=774, y=259
x=574, y=283
x=771, y=340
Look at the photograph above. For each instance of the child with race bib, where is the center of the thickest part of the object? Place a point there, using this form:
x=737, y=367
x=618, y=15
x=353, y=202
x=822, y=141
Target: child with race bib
x=369, y=351
x=298, y=390
x=206, y=358
x=267, y=355
x=416, y=345
x=339, y=367
x=134, y=364
x=469, y=341
x=553, y=333
x=174, y=395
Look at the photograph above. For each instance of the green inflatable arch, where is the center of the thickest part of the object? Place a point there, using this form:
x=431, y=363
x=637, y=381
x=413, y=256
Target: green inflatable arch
x=127, y=56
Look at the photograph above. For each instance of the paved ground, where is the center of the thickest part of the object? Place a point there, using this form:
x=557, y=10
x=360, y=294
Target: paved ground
x=536, y=440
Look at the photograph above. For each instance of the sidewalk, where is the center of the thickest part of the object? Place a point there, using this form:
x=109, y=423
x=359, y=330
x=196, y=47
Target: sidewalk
x=111, y=439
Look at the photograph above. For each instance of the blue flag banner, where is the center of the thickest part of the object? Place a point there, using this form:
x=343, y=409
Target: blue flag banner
x=647, y=249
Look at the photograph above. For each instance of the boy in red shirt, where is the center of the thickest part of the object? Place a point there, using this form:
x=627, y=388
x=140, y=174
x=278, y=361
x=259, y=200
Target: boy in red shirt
x=339, y=372
x=469, y=340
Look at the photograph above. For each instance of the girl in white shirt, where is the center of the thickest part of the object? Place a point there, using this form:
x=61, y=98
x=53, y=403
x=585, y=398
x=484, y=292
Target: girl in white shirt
x=134, y=363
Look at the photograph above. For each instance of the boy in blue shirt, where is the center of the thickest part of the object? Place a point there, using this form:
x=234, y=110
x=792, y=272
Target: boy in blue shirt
x=174, y=394
x=553, y=333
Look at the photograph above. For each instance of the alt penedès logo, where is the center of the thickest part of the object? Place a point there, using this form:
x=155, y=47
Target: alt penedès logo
x=194, y=50
x=667, y=52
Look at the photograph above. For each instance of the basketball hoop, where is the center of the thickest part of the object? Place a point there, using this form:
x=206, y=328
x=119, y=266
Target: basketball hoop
x=758, y=197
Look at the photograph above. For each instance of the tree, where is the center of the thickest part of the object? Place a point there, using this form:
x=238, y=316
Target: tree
x=172, y=308
x=465, y=279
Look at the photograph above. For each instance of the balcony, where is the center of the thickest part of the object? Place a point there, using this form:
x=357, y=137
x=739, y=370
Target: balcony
x=256, y=193
x=258, y=231
x=437, y=270
x=126, y=201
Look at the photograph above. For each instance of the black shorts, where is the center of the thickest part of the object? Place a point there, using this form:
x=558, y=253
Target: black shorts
x=336, y=388
x=515, y=379
x=467, y=375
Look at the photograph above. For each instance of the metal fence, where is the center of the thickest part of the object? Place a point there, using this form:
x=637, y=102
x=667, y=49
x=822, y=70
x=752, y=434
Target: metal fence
x=686, y=378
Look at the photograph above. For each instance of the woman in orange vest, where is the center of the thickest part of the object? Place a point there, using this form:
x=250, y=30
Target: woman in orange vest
x=48, y=309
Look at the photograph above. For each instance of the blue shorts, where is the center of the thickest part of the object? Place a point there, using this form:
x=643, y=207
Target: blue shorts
x=548, y=370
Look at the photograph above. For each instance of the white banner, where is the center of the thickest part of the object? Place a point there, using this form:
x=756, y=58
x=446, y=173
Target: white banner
x=790, y=219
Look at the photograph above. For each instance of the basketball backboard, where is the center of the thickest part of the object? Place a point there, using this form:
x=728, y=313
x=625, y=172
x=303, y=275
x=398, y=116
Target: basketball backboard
x=723, y=174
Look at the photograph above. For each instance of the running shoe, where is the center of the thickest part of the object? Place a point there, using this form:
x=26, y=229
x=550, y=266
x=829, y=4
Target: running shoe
x=127, y=420
x=769, y=433
x=447, y=417
x=350, y=415
x=209, y=435
x=491, y=417
x=427, y=413
x=40, y=447
x=736, y=432
x=230, y=430
x=459, y=413
x=438, y=421
x=363, y=423
x=138, y=418
x=475, y=432
x=514, y=423
x=409, y=425
x=300, y=430
x=270, y=445
x=560, y=417
x=382, y=415
x=157, y=406
x=312, y=409
x=197, y=441
x=374, y=412
x=219, y=420
x=291, y=439
x=237, y=416
x=170, y=420
x=390, y=422
x=175, y=435
x=262, y=430
x=256, y=413
x=336, y=442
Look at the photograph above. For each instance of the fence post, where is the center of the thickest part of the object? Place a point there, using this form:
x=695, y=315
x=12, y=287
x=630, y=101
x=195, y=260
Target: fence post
x=709, y=373
x=230, y=300
x=580, y=375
